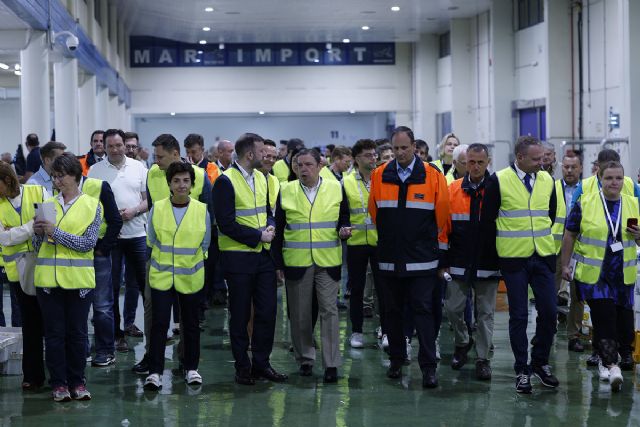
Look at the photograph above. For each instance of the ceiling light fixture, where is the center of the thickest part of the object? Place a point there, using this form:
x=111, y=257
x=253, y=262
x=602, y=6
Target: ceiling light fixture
x=352, y=111
x=200, y=52
x=221, y=46
x=328, y=46
x=202, y=42
x=208, y=9
x=4, y=66
x=365, y=27
x=261, y=113
x=17, y=72
x=16, y=67
x=395, y=8
x=346, y=41
x=206, y=28
x=172, y=113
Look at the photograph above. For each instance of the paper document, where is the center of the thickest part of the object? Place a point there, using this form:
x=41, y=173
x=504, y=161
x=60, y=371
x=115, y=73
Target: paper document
x=46, y=211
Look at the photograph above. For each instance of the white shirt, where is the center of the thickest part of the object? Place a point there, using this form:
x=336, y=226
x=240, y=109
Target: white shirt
x=67, y=205
x=128, y=183
x=249, y=177
x=521, y=175
x=311, y=192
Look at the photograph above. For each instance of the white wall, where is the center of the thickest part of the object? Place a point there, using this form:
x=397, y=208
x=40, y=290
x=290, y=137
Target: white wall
x=530, y=68
x=275, y=89
x=314, y=130
x=10, y=125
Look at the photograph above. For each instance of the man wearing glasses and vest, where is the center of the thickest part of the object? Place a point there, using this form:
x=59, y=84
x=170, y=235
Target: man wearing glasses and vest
x=519, y=209
x=245, y=223
x=409, y=204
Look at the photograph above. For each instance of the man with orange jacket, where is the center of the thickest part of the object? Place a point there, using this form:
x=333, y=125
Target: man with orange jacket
x=471, y=265
x=409, y=204
x=194, y=146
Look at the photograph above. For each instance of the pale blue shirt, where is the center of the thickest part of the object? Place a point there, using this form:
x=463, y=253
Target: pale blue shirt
x=404, y=173
x=41, y=177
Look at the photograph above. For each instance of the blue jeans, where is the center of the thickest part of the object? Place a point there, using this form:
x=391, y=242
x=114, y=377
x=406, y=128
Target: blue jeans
x=134, y=252
x=16, y=319
x=65, y=314
x=537, y=274
x=103, y=306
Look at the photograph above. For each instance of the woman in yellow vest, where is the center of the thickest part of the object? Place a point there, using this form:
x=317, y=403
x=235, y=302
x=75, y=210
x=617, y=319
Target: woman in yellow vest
x=178, y=234
x=603, y=239
x=312, y=215
x=445, y=152
x=16, y=230
x=65, y=278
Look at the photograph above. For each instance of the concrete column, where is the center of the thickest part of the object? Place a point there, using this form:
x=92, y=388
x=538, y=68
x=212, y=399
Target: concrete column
x=558, y=21
x=425, y=77
x=65, y=95
x=463, y=83
x=87, y=104
x=630, y=125
x=502, y=80
x=113, y=113
x=34, y=88
x=102, y=108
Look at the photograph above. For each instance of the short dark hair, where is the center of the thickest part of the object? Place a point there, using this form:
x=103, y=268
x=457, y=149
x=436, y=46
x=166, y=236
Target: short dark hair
x=477, y=147
x=246, y=142
x=180, y=167
x=524, y=142
x=113, y=132
x=310, y=151
x=32, y=140
x=381, y=141
x=131, y=135
x=270, y=142
x=421, y=143
x=94, y=134
x=609, y=165
x=294, y=143
x=331, y=147
x=68, y=164
x=572, y=155
x=384, y=147
x=608, y=155
x=404, y=129
x=193, y=139
x=167, y=141
x=340, y=151
x=47, y=149
x=361, y=145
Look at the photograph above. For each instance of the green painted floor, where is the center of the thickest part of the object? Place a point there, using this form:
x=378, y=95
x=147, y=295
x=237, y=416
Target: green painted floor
x=362, y=397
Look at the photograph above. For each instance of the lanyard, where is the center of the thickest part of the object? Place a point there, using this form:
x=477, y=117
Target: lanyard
x=614, y=230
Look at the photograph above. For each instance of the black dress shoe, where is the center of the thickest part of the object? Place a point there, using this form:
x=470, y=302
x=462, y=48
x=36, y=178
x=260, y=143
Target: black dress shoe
x=394, y=372
x=593, y=360
x=306, y=370
x=576, y=345
x=142, y=367
x=626, y=363
x=429, y=378
x=244, y=377
x=483, y=370
x=330, y=375
x=269, y=374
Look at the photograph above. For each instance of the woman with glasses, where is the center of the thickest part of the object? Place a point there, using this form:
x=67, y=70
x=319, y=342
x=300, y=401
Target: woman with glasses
x=65, y=278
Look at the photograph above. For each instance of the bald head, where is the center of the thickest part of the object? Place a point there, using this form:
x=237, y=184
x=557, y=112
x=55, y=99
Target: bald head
x=225, y=152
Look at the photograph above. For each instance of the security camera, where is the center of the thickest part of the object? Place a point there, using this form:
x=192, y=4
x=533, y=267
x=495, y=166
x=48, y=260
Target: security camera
x=72, y=42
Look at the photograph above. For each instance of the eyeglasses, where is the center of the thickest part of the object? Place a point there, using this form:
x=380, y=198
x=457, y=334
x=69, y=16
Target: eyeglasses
x=368, y=155
x=57, y=177
x=131, y=147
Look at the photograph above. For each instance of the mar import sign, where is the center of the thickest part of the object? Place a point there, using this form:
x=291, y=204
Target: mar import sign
x=150, y=52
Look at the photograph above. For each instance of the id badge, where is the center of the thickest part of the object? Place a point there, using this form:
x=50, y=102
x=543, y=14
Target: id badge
x=616, y=247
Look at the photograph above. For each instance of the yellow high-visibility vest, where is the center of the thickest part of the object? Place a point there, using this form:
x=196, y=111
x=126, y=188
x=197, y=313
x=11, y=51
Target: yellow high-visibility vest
x=364, y=230
x=159, y=188
x=93, y=188
x=281, y=170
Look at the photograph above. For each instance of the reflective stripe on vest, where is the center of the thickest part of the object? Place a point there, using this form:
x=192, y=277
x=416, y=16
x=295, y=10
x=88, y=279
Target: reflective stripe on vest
x=177, y=259
x=159, y=189
x=93, y=187
x=413, y=266
x=251, y=208
x=481, y=274
x=59, y=266
x=523, y=225
x=310, y=236
x=561, y=213
x=591, y=245
x=11, y=218
x=364, y=231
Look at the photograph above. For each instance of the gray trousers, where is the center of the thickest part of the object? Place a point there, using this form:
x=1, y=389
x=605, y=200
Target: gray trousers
x=456, y=299
x=299, y=297
x=576, y=307
x=367, y=300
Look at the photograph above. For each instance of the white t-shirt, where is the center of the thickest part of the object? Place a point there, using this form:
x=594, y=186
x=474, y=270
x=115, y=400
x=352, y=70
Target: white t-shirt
x=128, y=184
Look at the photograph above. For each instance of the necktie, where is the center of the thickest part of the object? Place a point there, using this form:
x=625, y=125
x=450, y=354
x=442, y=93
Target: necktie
x=527, y=182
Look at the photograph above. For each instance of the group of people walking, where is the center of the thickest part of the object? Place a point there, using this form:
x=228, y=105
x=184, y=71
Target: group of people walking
x=426, y=232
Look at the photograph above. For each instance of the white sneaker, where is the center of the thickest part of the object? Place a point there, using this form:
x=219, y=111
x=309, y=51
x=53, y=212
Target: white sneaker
x=356, y=340
x=615, y=378
x=152, y=382
x=193, y=378
x=408, y=348
x=385, y=342
x=603, y=372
